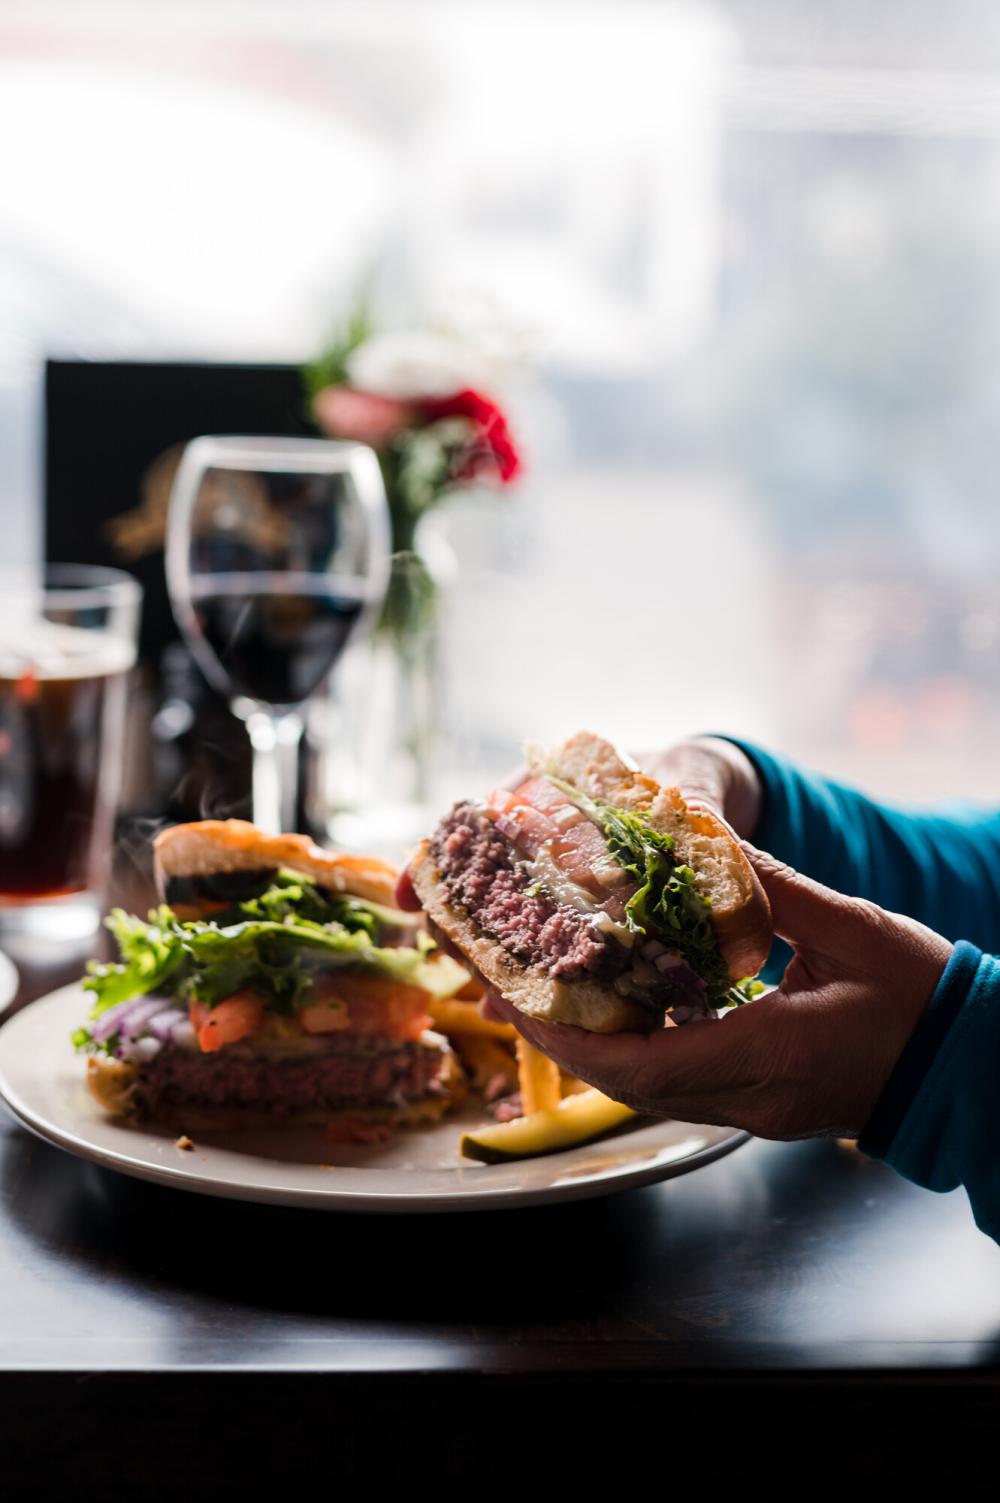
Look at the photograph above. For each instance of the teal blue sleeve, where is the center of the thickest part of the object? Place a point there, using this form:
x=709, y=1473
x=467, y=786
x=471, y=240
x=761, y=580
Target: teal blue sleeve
x=942, y=1131
x=941, y=865
x=938, y=1119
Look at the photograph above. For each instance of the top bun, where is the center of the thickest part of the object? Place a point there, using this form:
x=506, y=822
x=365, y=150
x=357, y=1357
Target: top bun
x=230, y=845
x=740, y=914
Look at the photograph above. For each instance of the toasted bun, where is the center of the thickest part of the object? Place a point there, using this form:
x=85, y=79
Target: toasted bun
x=740, y=913
x=225, y=845
x=116, y=1086
x=111, y=1083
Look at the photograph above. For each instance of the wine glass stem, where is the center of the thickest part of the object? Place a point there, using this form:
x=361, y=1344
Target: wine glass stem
x=275, y=740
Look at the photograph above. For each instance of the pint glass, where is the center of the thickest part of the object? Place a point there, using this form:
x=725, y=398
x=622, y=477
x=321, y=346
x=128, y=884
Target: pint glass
x=67, y=645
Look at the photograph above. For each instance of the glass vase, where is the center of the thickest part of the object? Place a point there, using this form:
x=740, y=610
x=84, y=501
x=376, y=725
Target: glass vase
x=376, y=736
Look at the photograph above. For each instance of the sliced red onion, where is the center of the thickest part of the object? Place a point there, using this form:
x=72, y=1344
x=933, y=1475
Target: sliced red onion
x=137, y=1022
x=139, y=1051
x=119, y=1019
x=508, y=826
x=163, y=1024
x=517, y=834
x=183, y=1034
x=107, y=1024
x=685, y=1014
x=679, y=971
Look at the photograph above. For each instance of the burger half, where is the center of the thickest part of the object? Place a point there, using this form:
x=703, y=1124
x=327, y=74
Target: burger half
x=590, y=895
x=275, y=984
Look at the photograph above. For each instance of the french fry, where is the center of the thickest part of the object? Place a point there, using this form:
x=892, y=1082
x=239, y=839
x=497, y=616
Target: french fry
x=571, y=1085
x=539, y=1079
x=486, y=1059
x=463, y=1017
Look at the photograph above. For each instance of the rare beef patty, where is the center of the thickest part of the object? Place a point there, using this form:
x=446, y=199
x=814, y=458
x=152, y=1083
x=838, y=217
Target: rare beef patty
x=476, y=867
x=342, y=1072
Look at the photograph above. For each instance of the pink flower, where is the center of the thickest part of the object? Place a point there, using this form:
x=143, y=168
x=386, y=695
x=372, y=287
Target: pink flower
x=363, y=416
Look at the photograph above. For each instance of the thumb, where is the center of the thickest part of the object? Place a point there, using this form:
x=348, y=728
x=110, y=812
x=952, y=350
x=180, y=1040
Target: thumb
x=807, y=914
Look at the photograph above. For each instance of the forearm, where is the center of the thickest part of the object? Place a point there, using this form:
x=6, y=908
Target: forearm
x=937, y=1116
x=941, y=867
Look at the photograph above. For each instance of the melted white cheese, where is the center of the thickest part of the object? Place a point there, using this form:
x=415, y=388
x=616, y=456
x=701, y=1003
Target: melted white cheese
x=544, y=869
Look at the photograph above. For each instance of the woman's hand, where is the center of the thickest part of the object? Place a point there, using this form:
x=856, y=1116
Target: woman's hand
x=710, y=771
x=810, y=1058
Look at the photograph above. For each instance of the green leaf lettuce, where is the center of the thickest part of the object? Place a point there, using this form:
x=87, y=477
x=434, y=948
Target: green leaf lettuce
x=666, y=904
x=273, y=944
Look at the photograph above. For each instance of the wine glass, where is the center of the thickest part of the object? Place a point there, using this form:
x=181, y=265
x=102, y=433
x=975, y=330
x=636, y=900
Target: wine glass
x=277, y=551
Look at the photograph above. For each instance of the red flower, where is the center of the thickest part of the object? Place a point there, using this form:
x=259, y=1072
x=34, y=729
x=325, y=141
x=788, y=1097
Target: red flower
x=491, y=449
x=345, y=412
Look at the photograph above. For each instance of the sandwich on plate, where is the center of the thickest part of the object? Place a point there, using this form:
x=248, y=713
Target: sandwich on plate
x=276, y=984
x=590, y=895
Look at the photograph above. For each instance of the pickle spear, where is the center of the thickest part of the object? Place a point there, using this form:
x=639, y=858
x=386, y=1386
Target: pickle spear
x=577, y=1119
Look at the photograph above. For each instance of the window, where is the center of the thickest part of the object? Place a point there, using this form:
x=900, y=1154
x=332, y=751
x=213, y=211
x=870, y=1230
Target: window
x=752, y=248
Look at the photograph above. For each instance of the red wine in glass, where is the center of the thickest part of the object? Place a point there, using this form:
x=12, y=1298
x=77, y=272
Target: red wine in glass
x=273, y=637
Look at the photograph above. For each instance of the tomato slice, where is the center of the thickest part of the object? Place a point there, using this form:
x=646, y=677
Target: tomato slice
x=576, y=844
x=500, y=801
x=532, y=828
x=578, y=851
x=349, y=1001
x=583, y=845
x=236, y=1018
x=540, y=794
x=375, y=1004
x=330, y=1016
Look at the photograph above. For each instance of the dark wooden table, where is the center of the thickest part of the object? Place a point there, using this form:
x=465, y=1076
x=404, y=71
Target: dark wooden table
x=793, y=1312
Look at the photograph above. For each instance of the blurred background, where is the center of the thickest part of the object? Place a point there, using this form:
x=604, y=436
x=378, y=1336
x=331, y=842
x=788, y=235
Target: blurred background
x=739, y=267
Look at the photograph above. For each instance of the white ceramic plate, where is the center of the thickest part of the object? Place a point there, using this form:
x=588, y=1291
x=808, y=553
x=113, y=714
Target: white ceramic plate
x=42, y=1081
x=8, y=980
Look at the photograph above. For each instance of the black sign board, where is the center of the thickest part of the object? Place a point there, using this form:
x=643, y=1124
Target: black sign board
x=114, y=433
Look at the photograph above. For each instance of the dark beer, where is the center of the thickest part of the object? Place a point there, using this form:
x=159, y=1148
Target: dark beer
x=61, y=724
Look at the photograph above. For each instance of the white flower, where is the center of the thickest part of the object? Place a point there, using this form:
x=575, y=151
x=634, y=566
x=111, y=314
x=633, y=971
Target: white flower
x=411, y=364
